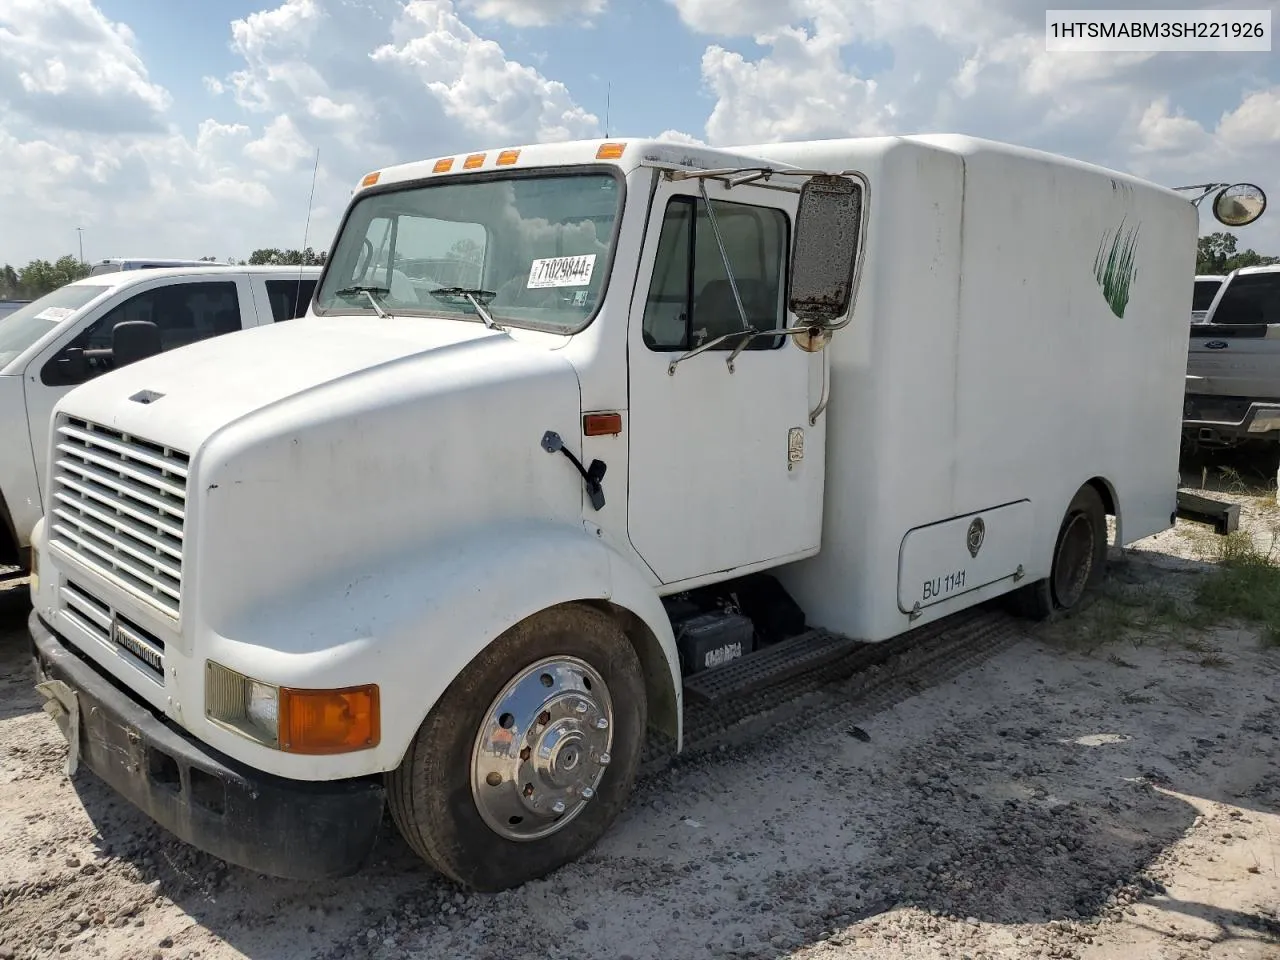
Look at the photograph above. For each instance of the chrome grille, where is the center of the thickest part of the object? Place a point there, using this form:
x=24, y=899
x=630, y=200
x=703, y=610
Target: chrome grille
x=119, y=505
x=109, y=628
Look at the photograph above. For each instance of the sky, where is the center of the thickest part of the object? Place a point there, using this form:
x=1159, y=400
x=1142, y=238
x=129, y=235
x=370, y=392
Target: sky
x=187, y=128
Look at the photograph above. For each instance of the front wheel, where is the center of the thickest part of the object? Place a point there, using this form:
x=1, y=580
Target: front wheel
x=530, y=754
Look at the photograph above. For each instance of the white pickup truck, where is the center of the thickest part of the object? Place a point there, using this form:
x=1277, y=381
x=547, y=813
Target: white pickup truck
x=71, y=335
x=1233, y=365
x=574, y=434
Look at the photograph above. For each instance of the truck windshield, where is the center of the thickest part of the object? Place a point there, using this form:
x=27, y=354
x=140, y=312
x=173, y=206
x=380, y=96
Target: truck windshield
x=25, y=326
x=534, y=250
x=1250, y=298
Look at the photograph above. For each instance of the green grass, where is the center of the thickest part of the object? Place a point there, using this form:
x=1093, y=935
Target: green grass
x=1245, y=587
x=1115, y=266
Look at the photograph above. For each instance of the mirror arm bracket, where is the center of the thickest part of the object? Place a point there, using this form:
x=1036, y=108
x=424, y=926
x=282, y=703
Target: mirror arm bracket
x=797, y=331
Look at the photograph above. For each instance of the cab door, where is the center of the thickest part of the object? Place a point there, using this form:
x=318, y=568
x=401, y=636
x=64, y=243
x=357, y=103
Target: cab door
x=726, y=471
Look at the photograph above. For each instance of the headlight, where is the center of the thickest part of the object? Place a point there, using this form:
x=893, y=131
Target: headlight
x=292, y=720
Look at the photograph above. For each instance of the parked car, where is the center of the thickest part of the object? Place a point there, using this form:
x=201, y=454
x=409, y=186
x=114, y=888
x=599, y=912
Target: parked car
x=99, y=323
x=1233, y=364
x=113, y=264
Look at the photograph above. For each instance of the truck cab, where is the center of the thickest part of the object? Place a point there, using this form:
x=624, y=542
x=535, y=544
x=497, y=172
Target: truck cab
x=69, y=337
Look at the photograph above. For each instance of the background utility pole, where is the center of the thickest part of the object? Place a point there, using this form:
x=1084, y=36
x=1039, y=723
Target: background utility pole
x=80, y=234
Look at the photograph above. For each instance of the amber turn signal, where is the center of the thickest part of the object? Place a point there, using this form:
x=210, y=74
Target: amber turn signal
x=329, y=721
x=602, y=424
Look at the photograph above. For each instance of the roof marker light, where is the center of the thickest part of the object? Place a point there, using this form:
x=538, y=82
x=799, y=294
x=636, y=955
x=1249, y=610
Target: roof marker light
x=610, y=151
x=473, y=161
x=370, y=178
x=443, y=166
x=508, y=157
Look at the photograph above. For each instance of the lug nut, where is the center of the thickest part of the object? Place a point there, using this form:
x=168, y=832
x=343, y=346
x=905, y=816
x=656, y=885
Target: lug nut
x=581, y=707
x=602, y=724
x=586, y=793
x=604, y=759
x=557, y=807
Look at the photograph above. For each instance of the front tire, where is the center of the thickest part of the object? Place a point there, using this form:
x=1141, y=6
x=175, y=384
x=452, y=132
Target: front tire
x=530, y=754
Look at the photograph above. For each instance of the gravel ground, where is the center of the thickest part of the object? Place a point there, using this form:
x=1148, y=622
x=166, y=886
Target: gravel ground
x=1062, y=792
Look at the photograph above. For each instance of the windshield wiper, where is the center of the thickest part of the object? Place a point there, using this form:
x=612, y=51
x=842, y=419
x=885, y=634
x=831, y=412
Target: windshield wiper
x=372, y=293
x=472, y=297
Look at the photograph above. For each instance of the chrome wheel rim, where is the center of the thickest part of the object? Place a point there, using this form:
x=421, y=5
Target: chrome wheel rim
x=542, y=749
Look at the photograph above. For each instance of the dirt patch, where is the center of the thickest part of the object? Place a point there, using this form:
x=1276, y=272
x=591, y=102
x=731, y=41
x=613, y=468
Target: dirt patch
x=1107, y=787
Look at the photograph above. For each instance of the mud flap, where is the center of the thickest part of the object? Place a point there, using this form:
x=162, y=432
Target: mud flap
x=62, y=704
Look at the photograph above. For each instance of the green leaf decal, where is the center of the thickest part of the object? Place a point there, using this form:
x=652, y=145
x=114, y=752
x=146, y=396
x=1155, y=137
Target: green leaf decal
x=1115, y=266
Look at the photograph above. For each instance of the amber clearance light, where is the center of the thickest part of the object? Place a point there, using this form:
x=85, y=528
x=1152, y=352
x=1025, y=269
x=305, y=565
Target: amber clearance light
x=329, y=721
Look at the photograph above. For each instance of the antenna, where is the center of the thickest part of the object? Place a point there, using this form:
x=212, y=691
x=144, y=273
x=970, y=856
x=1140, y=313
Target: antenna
x=297, y=293
x=608, y=102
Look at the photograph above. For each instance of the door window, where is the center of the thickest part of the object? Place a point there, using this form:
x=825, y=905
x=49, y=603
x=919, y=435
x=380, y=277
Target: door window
x=290, y=298
x=691, y=300
x=184, y=312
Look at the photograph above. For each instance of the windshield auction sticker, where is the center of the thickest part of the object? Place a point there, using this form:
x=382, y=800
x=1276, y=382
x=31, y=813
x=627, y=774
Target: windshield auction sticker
x=562, y=272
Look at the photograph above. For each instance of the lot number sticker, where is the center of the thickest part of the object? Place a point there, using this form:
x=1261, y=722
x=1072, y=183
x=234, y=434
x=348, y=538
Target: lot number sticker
x=561, y=272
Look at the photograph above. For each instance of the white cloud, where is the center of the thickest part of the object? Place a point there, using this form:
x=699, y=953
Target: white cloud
x=476, y=84
x=369, y=82
x=1255, y=123
x=536, y=13
x=980, y=67
x=64, y=64
x=280, y=147
x=679, y=136
x=801, y=90
x=94, y=140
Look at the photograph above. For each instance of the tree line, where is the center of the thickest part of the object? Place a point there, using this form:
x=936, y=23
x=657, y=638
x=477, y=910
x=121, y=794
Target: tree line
x=1216, y=253
x=41, y=276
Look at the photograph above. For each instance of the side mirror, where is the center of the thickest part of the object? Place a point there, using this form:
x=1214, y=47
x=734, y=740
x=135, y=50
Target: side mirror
x=1239, y=204
x=73, y=365
x=134, y=340
x=828, y=240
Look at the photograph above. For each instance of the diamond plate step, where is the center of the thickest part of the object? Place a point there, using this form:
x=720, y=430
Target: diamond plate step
x=769, y=667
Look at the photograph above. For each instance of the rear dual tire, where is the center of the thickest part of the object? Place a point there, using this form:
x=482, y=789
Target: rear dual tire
x=1079, y=561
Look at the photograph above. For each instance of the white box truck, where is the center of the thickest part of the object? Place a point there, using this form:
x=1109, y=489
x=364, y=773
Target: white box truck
x=457, y=542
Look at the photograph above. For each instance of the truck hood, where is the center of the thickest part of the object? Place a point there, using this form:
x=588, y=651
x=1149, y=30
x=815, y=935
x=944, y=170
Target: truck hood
x=182, y=396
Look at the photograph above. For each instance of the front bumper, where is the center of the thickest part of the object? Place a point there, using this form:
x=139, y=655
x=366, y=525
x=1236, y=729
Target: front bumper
x=283, y=828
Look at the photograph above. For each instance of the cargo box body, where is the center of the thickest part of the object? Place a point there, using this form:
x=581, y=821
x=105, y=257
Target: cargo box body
x=986, y=375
